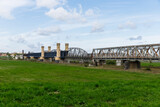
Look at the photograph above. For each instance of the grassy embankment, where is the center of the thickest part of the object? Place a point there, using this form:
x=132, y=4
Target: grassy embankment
x=38, y=84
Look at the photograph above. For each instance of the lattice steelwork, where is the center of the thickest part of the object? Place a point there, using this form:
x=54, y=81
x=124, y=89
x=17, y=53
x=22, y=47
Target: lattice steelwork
x=77, y=53
x=137, y=52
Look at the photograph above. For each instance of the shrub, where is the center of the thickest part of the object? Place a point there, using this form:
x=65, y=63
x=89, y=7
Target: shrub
x=111, y=62
x=86, y=64
x=75, y=62
x=5, y=58
x=10, y=58
x=33, y=60
x=148, y=68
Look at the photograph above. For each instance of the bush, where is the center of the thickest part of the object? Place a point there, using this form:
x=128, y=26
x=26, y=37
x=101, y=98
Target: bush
x=86, y=64
x=148, y=68
x=111, y=62
x=75, y=62
x=33, y=60
x=5, y=58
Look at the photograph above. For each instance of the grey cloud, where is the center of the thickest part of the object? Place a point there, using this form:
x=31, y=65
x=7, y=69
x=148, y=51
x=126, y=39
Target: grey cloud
x=48, y=31
x=97, y=27
x=21, y=40
x=34, y=47
x=18, y=39
x=135, y=38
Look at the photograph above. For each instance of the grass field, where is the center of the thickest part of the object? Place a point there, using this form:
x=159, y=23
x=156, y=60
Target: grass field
x=145, y=64
x=31, y=84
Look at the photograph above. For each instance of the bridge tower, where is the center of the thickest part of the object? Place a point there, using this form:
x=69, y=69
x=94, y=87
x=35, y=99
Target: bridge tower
x=66, y=47
x=57, y=58
x=49, y=48
x=42, y=53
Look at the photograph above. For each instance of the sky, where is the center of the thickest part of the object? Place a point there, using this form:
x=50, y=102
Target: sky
x=87, y=24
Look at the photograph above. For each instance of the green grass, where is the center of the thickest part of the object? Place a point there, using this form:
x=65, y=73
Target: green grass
x=54, y=85
x=145, y=64
x=4, y=58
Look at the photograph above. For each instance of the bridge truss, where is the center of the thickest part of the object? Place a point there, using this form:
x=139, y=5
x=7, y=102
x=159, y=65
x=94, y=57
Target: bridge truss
x=78, y=53
x=137, y=52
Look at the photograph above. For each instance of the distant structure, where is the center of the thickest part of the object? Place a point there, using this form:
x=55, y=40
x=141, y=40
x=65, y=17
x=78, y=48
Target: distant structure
x=3, y=54
x=129, y=56
x=49, y=55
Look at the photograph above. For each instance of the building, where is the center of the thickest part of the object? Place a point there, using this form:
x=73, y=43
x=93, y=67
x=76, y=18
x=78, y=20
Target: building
x=3, y=54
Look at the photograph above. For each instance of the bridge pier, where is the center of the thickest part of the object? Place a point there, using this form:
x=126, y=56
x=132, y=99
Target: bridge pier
x=132, y=65
x=118, y=62
x=25, y=58
x=68, y=61
x=99, y=62
x=50, y=60
x=32, y=57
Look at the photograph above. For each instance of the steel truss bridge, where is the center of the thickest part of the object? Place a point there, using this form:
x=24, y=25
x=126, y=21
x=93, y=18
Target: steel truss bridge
x=78, y=54
x=135, y=52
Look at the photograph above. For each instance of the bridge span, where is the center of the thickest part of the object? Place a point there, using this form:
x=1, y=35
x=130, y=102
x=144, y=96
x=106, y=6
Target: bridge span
x=75, y=53
x=129, y=56
x=135, y=52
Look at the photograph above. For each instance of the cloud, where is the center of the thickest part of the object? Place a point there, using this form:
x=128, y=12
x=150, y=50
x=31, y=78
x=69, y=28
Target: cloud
x=59, y=10
x=97, y=27
x=7, y=6
x=40, y=32
x=64, y=15
x=89, y=12
x=135, y=38
x=47, y=31
x=128, y=25
x=4, y=33
x=26, y=39
x=56, y=9
x=34, y=47
x=50, y=3
x=19, y=39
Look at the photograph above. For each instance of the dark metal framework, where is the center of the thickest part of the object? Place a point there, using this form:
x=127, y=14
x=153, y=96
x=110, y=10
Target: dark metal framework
x=77, y=53
x=136, y=52
x=47, y=54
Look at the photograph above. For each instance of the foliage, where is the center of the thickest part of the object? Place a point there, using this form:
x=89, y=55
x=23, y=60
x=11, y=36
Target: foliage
x=86, y=64
x=6, y=58
x=111, y=62
x=148, y=68
x=75, y=62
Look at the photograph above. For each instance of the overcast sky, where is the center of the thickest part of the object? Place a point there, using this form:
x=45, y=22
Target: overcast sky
x=29, y=24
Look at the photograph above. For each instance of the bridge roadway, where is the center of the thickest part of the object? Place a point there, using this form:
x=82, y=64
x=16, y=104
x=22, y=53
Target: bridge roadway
x=135, y=52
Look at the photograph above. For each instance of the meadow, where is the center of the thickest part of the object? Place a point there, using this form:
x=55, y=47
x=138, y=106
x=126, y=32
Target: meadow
x=25, y=83
x=152, y=64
